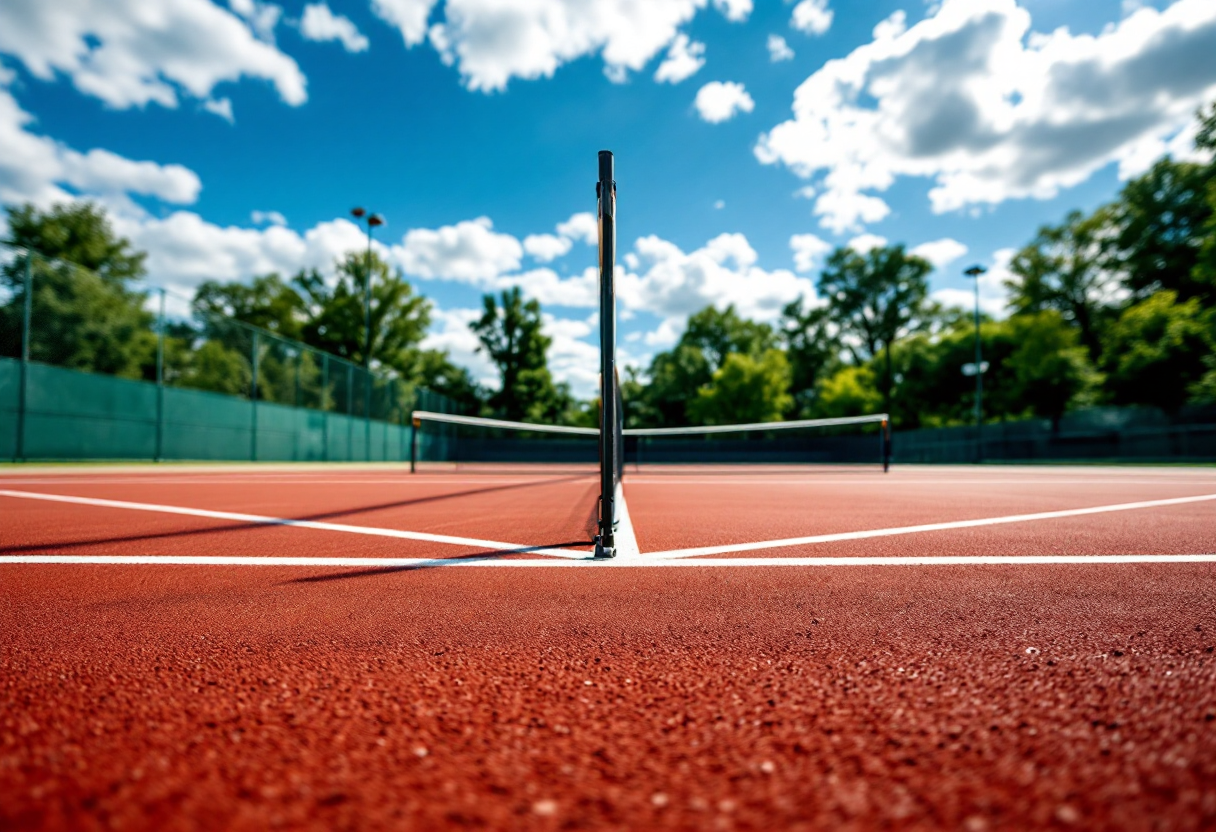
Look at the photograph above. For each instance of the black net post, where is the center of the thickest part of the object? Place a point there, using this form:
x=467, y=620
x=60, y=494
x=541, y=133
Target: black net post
x=885, y=432
x=605, y=191
x=415, y=424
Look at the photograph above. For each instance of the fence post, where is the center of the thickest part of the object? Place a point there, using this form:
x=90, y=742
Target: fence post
x=325, y=407
x=23, y=388
x=367, y=413
x=160, y=379
x=253, y=438
x=350, y=411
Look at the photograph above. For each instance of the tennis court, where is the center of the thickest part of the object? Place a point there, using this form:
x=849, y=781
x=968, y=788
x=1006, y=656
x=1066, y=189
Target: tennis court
x=527, y=626
x=1041, y=655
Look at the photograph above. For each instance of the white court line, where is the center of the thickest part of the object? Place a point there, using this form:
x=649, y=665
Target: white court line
x=404, y=480
x=927, y=527
x=501, y=563
x=626, y=540
x=258, y=519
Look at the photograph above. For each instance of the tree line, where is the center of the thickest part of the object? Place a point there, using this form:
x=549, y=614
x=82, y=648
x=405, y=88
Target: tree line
x=1116, y=306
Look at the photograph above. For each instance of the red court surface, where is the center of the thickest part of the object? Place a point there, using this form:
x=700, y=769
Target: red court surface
x=786, y=649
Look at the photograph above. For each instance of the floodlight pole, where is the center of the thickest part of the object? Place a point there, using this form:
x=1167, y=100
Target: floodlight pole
x=605, y=191
x=974, y=272
x=372, y=220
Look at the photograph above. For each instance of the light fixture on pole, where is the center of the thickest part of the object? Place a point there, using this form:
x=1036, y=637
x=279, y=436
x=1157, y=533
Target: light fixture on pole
x=979, y=367
x=372, y=221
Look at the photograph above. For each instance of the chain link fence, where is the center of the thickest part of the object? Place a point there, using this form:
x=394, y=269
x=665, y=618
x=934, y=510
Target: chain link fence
x=99, y=367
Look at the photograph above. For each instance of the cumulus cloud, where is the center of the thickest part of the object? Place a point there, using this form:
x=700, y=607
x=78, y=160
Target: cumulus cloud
x=994, y=295
x=38, y=169
x=809, y=251
x=129, y=54
x=492, y=41
x=672, y=284
x=469, y=251
x=718, y=101
x=221, y=107
x=184, y=249
x=546, y=247
x=268, y=217
x=321, y=24
x=940, y=253
x=580, y=227
x=408, y=16
x=684, y=58
x=450, y=332
x=865, y=243
x=969, y=99
x=812, y=17
x=778, y=49
x=572, y=358
x=735, y=11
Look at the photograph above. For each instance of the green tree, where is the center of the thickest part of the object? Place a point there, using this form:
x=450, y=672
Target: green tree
x=850, y=391
x=1062, y=269
x=85, y=314
x=268, y=302
x=512, y=336
x=812, y=346
x=1204, y=272
x=1159, y=221
x=875, y=299
x=335, y=321
x=675, y=377
x=1051, y=369
x=746, y=388
x=1157, y=349
x=435, y=371
x=719, y=332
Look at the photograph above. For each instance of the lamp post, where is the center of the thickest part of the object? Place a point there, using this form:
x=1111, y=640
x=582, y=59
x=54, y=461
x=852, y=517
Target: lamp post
x=974, y=272
x=372, y=221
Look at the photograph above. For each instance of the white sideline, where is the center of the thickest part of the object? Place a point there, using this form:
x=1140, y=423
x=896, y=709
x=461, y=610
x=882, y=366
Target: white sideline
x=927, y=527
x=626, y=540
x=627, y=563
x=258, y=519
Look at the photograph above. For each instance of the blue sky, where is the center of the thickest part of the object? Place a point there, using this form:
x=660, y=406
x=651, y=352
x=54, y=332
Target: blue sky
x=231, y=139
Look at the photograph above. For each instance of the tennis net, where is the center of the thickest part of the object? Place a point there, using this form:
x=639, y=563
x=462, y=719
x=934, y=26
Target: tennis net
x=444, y=441
x=853, y=441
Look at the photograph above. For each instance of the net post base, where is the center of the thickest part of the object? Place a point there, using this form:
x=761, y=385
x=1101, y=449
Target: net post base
x=605, y=546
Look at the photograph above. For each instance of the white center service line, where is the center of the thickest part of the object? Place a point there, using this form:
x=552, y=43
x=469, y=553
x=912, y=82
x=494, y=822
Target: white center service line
x=257, y=519
x=927, y=527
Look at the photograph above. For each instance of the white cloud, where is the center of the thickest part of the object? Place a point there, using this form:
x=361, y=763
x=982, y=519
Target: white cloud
x=892, y=27
x=582, y=226
x=184, y=249
x=684, y=59
x=736, y=11
x=545, y=286
x=994, y=295
x=37, y=169
x=971, y=100
x=778, y=49
x=129, y=53
x=670, y=283
x=940, y=253
x=865, y=243
x=546, y=247
x=808, y=251
x=268, y=217
x=572, y=359
x=719, y=204
x=450, y=332
x=409, y=16
x=321, y=24
x=469, y=251
x=492, y=41
x=812, y=17
x=221, y=107
x=718, y=101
